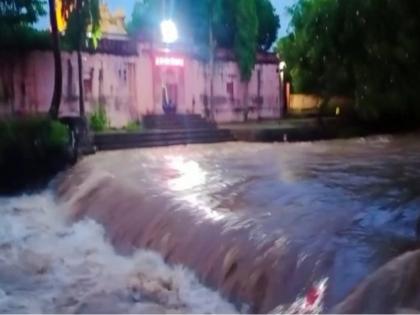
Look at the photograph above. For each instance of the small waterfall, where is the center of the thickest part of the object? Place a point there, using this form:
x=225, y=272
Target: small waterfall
x=50, y=264
x=254, y=271
x=282, y=228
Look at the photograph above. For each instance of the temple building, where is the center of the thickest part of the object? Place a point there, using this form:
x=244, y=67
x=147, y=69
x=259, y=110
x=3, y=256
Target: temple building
x=131, y=79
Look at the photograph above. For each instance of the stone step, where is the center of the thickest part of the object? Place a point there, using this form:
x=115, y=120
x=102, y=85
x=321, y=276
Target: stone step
x=164, y=134
x=161, y=143
x=114, y=141
x=176, y=121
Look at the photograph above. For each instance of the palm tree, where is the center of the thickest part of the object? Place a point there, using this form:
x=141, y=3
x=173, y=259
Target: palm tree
x=85, y=16
x=245, y=45
x=58, y=80
x=214, y=12
x=80, y=14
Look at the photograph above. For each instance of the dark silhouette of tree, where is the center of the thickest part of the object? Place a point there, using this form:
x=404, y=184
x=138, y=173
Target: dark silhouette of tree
x=58, y=71
x=83, y=23
x=366, y=49
x=18, y=12
x=245, y=44
x=79, y=15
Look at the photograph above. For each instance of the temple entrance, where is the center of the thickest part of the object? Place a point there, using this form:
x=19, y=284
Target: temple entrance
x=170, y=92
x=168, y=85
x=170, y=111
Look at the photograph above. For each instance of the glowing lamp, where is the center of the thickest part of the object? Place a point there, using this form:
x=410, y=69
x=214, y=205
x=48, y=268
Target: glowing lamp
x=169, y=31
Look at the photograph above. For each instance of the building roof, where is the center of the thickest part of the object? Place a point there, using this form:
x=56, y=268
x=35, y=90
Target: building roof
x=114, y=38
x=112, y=24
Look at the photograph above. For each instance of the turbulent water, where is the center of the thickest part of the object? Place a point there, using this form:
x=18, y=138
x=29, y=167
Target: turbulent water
x=48, y=265
x=290, y=227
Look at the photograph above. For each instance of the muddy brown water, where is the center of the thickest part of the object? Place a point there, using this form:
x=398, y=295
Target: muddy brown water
x=261, y=223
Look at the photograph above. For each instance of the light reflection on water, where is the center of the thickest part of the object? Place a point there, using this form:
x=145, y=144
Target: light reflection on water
x=190, y=176
x=343, y=207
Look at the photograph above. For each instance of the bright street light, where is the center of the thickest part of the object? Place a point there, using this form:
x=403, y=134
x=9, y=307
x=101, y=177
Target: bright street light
x=169, y=31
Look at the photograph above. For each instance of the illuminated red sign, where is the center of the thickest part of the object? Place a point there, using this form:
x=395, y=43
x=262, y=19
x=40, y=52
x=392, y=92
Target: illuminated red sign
x=169, y=61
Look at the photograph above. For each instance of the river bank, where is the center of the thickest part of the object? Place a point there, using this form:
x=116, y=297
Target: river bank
x=285, y=130
x=309, y=129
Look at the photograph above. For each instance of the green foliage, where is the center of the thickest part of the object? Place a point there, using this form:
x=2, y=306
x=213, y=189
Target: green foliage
x=98, y=120
x=224, y=23
x=24, y=38
x=16, y=33
x=82, y=22
x=133, y=126
x=32, y=132
x=193, y=19
x=245, y=42
x=366, y=49
x=20, y=12
x=144, y=19
x=57, y=134
x=268, y=24
x=31, y=150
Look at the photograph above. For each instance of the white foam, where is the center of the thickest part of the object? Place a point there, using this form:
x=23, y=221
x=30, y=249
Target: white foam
x=49, y=265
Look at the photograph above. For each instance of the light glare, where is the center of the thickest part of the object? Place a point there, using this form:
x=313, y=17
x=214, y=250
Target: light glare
x=169, y=61
x=169, y=31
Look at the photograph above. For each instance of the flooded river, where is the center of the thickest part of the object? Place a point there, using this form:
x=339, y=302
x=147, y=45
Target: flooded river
x=231, y=227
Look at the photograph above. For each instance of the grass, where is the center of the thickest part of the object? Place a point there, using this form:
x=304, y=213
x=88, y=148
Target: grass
x=98, y=120
x=131, y=127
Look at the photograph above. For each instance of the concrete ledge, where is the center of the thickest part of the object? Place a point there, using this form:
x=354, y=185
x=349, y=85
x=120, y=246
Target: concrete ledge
x=297, y=130
x=283, y=135
x=116, y=141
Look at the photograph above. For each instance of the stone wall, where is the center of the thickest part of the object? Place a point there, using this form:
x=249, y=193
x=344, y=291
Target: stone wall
x=309, y=103
x=126, y=86
x=27, y=82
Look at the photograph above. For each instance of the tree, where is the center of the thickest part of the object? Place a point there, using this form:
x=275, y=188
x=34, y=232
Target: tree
x=144, y=19
x=268, y=24
x=84, y=15
x=245, y=44
x=193, y=17
x=244, y=26
x=20, y=12
x=58, y=71
x=214, y=10
x=362, y=48
x=80, y=14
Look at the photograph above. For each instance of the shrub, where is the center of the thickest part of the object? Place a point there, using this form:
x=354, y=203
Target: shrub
x=133, y=126
x=31, y=151
x=98, y=119
x=24, y=38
